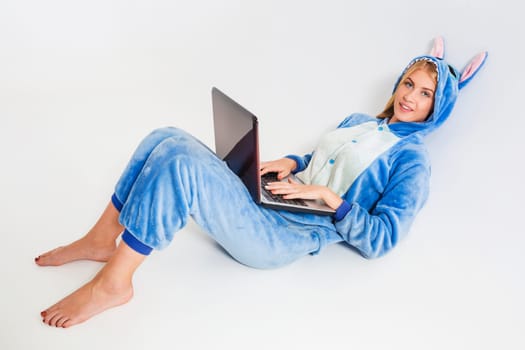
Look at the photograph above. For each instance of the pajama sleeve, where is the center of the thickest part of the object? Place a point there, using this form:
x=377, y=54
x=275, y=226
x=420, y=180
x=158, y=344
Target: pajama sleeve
x=374, y=232
x=302, y=162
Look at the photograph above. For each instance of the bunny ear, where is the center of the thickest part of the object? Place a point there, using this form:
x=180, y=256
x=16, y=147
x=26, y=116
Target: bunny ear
x=438, y=49
x=472, y=68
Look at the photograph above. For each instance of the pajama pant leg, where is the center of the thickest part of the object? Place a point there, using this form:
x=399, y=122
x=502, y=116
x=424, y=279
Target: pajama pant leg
x=172, y=176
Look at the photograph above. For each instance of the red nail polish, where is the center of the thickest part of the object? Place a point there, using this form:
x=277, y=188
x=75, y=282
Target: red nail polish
x=43, y=314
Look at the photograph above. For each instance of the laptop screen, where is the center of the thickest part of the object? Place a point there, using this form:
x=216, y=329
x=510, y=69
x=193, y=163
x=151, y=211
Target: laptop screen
x=236, y=140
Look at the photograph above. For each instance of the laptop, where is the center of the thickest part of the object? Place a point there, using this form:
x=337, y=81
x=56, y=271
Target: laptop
x=237, y=143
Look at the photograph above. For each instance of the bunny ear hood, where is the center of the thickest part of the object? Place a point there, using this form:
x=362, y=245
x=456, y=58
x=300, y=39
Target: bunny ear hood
x=449, y=82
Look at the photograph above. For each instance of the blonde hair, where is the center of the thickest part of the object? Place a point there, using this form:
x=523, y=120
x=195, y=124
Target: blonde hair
x=425, y=65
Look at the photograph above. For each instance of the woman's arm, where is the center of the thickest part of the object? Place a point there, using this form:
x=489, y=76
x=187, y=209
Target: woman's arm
x=292, y=190
x=377, y=230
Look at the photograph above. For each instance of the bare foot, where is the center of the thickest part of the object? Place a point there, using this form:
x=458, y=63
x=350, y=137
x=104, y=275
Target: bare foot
x=98, y=244
x=85, y=248
x=93, y=298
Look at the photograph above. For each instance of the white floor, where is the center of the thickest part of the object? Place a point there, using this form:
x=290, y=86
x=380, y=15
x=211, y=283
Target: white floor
x=81, y=84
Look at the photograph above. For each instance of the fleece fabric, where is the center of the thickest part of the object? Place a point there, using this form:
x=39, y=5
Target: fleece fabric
x=172, y=176
x=382, y=201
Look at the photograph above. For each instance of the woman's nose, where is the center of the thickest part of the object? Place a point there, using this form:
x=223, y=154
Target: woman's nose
x=409, y=96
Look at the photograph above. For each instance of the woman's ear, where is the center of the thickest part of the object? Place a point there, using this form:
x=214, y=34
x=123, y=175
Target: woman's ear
x=472, y=68
x=438, y=48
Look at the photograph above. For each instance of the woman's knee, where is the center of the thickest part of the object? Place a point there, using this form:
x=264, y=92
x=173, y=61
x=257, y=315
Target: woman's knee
x=160, y=134
x=168, y=142
x=153, y=140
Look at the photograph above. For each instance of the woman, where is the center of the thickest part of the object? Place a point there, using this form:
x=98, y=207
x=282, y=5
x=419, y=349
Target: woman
x=373, y=171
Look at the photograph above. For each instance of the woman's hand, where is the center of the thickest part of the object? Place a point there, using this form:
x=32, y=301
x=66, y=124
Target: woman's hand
x=283, y=167
x=292, y=190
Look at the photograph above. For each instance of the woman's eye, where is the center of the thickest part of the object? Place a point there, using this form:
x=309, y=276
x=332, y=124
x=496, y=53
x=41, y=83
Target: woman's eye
x=408, y=84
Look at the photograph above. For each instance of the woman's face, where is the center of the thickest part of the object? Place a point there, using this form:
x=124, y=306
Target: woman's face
x=414, y=97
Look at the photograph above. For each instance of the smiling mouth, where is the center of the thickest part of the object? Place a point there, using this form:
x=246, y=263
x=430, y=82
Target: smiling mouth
x=405, y=108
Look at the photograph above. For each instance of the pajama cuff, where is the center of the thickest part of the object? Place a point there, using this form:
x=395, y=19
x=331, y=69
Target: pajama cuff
x=135, y=244
x=299, y=161
x=343, y=209
x=118, y=204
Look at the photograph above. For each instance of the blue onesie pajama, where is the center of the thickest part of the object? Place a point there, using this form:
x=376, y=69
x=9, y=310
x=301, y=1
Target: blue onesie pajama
x=380, y=170
x=172, y=176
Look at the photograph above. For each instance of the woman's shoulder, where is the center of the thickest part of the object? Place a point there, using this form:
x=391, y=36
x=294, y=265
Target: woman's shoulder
x=410, y=150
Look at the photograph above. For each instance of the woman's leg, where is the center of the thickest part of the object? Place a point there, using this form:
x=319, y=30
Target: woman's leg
x=99, y=243
x=111, y=287
x=183, y=178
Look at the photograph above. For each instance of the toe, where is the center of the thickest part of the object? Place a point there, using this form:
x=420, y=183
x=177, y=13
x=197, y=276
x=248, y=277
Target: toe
x=53, y=320
x=68, y=323
x=48, y=315
x=60, y=322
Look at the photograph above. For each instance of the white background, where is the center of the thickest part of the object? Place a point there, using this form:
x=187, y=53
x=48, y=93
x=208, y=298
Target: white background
x=81, y=82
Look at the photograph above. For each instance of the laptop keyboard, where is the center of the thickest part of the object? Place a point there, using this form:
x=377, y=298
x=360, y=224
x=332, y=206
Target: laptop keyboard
x=272, y=177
